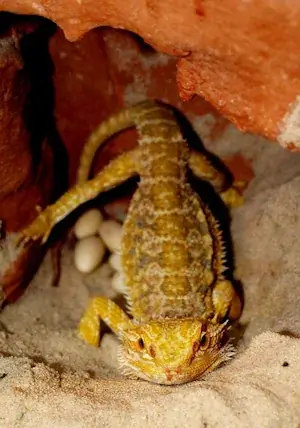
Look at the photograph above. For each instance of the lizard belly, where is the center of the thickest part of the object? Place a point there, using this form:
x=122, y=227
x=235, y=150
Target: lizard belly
x=166, y=275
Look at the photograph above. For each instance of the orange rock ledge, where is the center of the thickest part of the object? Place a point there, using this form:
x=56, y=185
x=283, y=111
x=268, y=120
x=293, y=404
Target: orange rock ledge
x=241, y=56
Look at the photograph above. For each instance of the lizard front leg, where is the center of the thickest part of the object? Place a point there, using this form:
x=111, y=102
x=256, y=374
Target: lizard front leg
x=226, y=301
x=116, y=172
x=203, y=169
x=109, y=312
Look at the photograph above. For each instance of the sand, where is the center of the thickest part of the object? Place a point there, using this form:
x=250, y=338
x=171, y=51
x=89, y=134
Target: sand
x=49, y=378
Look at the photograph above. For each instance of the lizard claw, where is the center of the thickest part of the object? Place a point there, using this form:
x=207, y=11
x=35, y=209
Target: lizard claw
x=38, y=209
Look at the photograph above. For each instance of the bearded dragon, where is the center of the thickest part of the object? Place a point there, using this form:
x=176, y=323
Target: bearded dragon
x=173, y=254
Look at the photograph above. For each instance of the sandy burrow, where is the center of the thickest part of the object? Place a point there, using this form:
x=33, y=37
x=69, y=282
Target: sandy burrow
x=256, y=389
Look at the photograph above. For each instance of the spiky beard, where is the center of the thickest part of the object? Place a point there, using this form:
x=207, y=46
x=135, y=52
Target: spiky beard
x=221, y=356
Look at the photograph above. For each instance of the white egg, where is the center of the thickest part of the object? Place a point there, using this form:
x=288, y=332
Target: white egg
x=118, y=284
x=88, y=253
x=115, y=261
x=111, y=234
x=88, y=224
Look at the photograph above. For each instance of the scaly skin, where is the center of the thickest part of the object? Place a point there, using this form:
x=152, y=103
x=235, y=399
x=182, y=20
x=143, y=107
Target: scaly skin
x=172, y=252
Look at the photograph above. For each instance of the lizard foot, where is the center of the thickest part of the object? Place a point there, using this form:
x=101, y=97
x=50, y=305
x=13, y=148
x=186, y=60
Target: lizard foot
x=39, y=229
x=109, y=312
x=89, y=328
x=232, y=197
x=226, y=301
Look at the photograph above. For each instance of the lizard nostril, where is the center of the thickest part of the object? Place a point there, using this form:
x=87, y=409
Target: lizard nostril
x=141, y=344
x=152, y=351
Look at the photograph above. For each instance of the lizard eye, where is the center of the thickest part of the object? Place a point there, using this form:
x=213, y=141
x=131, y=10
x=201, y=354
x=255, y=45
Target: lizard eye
x=204, y=341
x=141, y=344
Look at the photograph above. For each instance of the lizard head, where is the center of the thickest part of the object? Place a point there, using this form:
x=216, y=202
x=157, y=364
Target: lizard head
x=173, y=351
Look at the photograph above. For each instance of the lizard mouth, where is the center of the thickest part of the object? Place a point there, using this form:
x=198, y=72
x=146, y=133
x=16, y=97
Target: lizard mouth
x=201, y=367
x=151, y=372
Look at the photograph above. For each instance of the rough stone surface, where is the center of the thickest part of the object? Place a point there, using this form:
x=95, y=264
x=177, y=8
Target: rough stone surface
x=242, y=56
x=26, y=178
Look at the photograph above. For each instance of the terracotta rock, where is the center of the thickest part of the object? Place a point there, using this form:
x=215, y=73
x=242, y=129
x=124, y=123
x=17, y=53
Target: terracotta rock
x=100, y=74
x=25, y=161
x=243, y=57
x=90, y=87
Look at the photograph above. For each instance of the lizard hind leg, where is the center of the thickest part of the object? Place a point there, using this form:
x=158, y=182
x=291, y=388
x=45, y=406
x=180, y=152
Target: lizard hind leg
x=202, y=168
x=109, y=312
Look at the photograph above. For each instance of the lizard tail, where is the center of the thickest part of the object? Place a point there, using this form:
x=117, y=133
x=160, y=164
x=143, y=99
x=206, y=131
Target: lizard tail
x=106, y=129
x=124, y=119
